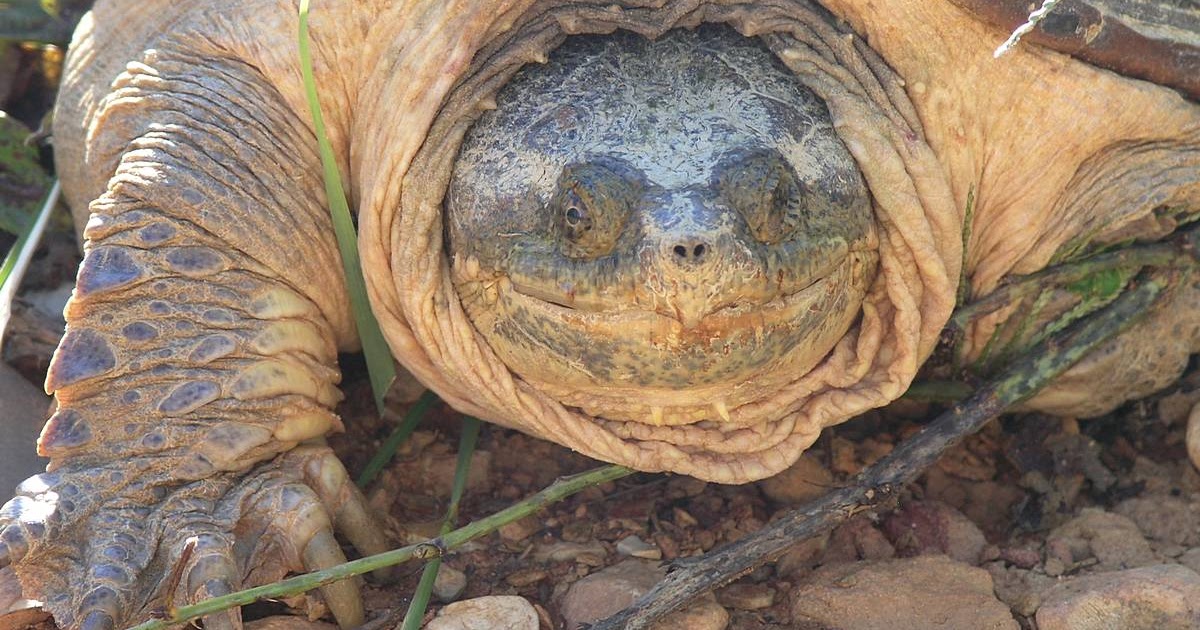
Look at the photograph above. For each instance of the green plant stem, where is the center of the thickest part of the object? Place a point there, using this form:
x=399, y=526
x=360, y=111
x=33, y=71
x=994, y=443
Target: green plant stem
x=21, y=254
x=466, y=449
x=938, y=391
x=1128, y=258
x=388, y=449
x=555, y=492
x=380, y=368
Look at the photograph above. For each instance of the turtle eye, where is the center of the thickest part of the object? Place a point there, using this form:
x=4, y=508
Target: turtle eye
x=592, y=205
x=576, y=218
x=763, y=188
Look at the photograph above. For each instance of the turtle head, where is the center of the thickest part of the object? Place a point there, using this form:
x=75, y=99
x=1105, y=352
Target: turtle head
x=655, y=231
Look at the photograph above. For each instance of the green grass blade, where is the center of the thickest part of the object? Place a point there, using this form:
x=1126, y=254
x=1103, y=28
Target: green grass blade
x=466, y=448
x=379, y=357
x=388, y=449
x=19, y=256
x=420, y=600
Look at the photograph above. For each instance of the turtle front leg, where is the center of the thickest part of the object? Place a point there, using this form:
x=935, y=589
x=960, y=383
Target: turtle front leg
x=200, y=352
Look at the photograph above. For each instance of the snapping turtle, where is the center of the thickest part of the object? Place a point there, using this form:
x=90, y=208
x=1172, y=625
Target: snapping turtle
x=687, y=254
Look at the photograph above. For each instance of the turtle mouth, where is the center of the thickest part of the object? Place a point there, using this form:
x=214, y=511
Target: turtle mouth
x=668, y=315
x=648, y=364
x=749, y=279
x=688, y=305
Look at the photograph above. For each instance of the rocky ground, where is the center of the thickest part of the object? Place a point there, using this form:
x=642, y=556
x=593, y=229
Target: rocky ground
x=1036, y=522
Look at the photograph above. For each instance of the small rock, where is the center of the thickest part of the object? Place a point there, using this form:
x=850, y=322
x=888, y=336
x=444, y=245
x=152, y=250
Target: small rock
x=525, y=577
x=520, y=529
x=1190, y=559
x=856, y=539
x=804, y=481
x=910, y=594
x=449, y=584
x=932, y=527
x=801, y=556
x=606, y=592
x=1021, y=589
x=1114, y=540
x=705, y=614
x=1160, y=597
x=568, y=551
x=494, y=612
x=683, y=518
x=680, y=487
x=1193, y=436
x=746, y=596
x=638, y=548
x=1164, y=519
x=1021, y=557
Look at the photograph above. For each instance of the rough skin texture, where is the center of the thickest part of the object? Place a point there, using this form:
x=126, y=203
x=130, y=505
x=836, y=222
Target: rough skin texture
x=198, y=373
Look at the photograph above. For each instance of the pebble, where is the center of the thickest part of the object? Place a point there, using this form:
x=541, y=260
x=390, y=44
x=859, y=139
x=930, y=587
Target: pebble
x=804, y=481
x=1159, y=597
x=903, y=594
x=494, y=612
x=746, y=596
x=1164, y=519
x=856, y=539
x=924, y=527
x=1023, y=590
x=705, y=614
x=525, y=577
x=638, y=548
x=1192, y=439
x=449, y=584
x=1112, y=539
x=606, y=592
x=520, y=529
x=569, y=551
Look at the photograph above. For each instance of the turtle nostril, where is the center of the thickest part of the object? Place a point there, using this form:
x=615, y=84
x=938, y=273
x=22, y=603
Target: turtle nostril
x=689, y=252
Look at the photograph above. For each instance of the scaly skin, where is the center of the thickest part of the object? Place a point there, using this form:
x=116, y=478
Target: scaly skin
x=198, y=372
x=199, y=354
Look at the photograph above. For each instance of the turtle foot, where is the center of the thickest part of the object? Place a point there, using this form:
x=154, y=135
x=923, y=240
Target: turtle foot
x=105, y=547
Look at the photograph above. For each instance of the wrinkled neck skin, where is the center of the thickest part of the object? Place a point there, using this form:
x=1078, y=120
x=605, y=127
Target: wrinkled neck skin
x=690, y=275
x=648, y=219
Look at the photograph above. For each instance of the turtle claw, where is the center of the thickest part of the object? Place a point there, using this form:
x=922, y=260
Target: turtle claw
x=21, y=524
x=103, y=559
x=212, y=573
x=97, y=620
x=343, y=598
x=99, y=609
x=325, y=474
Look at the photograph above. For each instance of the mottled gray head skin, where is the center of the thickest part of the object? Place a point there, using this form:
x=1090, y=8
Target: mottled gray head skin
x=650, y=219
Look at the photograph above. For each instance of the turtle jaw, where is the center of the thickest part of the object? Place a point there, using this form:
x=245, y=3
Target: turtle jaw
x=639, y=365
